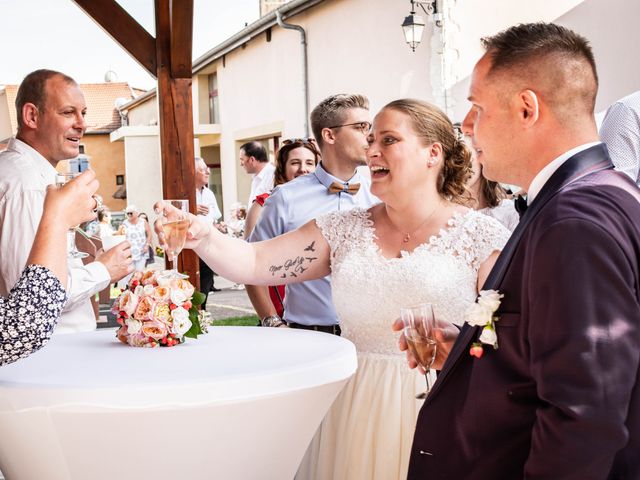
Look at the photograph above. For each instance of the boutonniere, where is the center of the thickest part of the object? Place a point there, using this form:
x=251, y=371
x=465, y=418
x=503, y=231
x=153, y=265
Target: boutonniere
x=481, y=314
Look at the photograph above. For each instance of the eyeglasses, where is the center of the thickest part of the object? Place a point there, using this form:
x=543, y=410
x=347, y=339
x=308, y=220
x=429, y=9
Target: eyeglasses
x=129, y=213
x=307, y=140
x=364, y=127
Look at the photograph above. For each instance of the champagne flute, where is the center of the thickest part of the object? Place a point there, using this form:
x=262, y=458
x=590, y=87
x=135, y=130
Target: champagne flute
x=72, y=250
x=419, y=332
x=175, y=224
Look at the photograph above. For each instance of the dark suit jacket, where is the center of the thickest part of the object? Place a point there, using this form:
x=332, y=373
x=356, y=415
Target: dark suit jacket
x=559, y=399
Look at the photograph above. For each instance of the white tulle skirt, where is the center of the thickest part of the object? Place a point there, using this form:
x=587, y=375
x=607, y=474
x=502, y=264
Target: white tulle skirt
x=368, y=432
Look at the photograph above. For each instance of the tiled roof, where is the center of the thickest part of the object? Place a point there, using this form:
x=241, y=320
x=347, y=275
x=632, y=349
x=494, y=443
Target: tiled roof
x=102, y=115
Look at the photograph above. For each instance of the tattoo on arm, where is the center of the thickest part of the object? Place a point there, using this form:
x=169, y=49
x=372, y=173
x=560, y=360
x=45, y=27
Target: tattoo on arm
x=295, y=266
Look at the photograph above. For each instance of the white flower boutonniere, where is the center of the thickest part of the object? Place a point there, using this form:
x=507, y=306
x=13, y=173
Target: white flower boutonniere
x=481, y=314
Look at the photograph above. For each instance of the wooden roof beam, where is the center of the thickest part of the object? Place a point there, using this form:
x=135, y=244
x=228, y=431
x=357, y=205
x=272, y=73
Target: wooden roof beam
x=125, y=30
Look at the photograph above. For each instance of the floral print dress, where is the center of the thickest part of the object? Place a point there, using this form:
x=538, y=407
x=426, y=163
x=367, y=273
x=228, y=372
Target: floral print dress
x=29, y=315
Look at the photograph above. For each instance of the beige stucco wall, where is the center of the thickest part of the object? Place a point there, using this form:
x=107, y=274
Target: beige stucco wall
x=143, y=170
x=145, y=113
x=107, y=159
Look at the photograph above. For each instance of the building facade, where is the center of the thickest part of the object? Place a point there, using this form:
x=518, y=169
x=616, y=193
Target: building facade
x=254, y=86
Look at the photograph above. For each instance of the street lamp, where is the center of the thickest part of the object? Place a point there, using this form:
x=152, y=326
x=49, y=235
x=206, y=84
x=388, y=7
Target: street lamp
x=413, y=24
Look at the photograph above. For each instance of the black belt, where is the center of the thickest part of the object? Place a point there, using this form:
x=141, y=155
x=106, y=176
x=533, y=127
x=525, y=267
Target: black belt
x=333, y=329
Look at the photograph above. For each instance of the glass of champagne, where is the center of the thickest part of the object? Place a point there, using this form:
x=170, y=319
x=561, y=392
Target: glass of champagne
x=175, y=224
x=419, y=331
x=72, y=250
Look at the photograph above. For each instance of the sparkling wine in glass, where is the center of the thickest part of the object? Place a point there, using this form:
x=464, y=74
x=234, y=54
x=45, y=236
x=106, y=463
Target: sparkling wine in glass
x=419, y=331
x=175, y=225
x=72, y=250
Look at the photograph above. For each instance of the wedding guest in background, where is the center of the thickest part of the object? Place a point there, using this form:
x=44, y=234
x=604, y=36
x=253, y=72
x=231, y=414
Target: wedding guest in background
x=207, y=207
x=489, y=197
x=340, y=124
x=50, y=110
x=255, y=161
x=620, y=132
x=150, y=251
x=105, y=229
x=29, y=314
x=559, y=398
x=138, y=234
x=419, y=245
x=295, y=158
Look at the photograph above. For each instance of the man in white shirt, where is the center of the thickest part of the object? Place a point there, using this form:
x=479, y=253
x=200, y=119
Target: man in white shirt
x=50, y=113
x=254, y=160
x=620, y=131
x=207, y=207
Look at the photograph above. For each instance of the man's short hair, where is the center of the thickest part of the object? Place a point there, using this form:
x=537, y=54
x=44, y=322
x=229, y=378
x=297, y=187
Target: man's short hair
x=556, y=59
x=256, y=150
x=32, y=90
x=332, y=111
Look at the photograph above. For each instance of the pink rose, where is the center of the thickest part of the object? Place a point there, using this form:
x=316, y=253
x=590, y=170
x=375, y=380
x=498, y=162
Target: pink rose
x=154, y=329
x=144, y=308
x=138, y=340
x=160, y=294
x=184, y=286
x=122, y=334
x=128, y=302
x=148, y=278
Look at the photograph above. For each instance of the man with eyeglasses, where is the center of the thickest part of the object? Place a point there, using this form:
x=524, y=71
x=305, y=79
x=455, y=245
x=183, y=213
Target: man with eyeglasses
x=340, y=124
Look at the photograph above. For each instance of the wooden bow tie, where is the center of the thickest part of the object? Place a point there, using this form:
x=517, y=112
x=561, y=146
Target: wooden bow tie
x=337, y=187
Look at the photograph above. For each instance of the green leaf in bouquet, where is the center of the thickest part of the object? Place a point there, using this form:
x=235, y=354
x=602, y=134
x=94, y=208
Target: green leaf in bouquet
x=198, y=298
x=195, y=329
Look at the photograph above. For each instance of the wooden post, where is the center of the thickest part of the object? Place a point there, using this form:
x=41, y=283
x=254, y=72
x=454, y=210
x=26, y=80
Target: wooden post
x=173, y=44
x=168, y=58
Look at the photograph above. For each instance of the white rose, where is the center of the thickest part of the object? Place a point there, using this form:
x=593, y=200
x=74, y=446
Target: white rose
x=477, y=315
x=181, y=322
x=133, y=325
x=489, y=336
x=148, y=289
x=490, y=299
x=178, y=296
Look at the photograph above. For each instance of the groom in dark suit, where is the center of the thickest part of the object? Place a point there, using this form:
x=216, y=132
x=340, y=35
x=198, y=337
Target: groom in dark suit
x=559, y=398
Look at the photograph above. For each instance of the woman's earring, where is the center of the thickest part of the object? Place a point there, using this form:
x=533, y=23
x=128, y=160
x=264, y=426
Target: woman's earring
x=431, y=162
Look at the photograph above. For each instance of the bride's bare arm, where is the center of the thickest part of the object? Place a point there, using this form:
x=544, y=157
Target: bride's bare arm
x=485, y=268
x=297, y=256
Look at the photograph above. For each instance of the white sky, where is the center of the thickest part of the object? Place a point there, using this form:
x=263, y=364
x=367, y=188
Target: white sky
x=57, y=34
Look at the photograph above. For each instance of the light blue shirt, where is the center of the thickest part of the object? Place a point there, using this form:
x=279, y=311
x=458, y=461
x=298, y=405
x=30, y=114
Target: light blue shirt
x=292, y=205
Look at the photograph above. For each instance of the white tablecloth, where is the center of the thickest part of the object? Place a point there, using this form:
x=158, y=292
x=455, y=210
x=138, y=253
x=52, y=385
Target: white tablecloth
x=238, y=403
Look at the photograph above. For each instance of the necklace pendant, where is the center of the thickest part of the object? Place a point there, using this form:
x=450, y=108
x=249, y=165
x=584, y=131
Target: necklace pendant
x=406, y=238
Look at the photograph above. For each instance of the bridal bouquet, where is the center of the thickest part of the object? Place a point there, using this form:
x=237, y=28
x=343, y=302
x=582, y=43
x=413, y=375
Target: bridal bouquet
x=157, y=309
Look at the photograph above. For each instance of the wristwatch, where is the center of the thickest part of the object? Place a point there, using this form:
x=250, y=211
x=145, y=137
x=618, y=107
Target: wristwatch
x=272, y=321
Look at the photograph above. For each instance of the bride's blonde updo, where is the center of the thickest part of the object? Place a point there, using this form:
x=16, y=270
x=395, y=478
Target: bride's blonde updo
x=432, y=125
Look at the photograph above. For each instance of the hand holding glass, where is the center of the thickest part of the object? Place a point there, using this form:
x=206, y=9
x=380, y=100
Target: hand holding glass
x=419, y=332
x=175, y=223
x=72, y=250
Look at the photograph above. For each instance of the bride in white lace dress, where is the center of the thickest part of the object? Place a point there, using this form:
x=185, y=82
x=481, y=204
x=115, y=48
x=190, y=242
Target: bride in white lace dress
x=419, y=245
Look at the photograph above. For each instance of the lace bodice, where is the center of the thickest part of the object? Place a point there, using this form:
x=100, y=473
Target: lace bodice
x=369, y=289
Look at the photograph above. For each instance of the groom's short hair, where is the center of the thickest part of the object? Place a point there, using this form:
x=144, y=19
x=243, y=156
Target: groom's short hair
x=552, y=60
